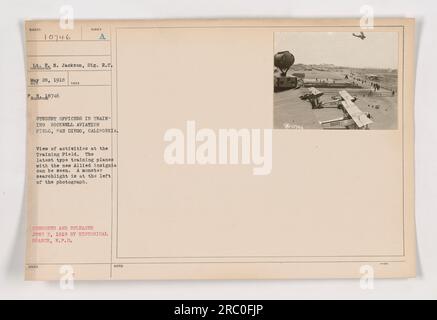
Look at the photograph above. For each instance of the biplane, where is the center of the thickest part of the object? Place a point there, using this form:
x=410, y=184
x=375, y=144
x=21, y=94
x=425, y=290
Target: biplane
x=353, y=117
x=360, y=36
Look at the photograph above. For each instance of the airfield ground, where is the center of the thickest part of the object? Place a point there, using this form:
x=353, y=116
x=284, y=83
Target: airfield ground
x=290, y=112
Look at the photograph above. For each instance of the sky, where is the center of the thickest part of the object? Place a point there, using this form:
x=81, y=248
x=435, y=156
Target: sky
x=378, y=50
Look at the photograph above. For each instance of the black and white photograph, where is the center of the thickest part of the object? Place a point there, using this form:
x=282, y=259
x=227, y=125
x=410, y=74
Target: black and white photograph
x=336, y=80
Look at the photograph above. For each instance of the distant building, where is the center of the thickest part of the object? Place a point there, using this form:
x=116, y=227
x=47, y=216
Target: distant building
x=373, y=77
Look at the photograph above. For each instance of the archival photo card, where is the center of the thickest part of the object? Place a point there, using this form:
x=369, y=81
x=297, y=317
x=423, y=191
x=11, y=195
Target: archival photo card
x=157, y=150
x=336, y=80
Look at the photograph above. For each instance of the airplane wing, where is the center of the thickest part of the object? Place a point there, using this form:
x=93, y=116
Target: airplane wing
x=345, y=95
x=356, y=114
x=316, y=93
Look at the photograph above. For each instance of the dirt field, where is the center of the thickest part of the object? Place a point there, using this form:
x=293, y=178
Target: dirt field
x=290, y=112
